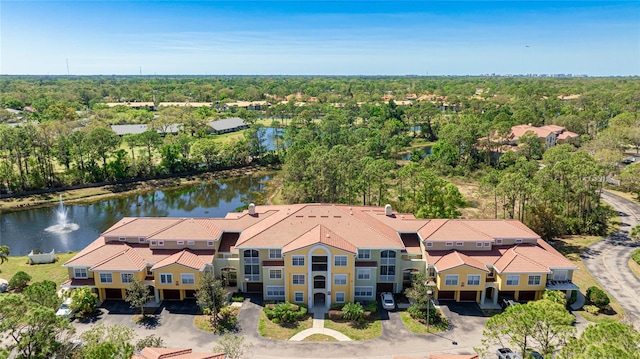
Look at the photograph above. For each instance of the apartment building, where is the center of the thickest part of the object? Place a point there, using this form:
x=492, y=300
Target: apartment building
x=320, y=254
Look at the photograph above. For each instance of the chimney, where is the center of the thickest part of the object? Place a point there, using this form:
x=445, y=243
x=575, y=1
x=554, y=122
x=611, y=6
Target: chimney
x=387, y=210
x=252, y=209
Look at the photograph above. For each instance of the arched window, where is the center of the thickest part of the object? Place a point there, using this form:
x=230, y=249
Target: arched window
x=319, y=282
x=251, y=265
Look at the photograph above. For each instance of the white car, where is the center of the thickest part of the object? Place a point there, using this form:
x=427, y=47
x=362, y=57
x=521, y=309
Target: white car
x=387, y=301
x=506, y=353
x=65, y=309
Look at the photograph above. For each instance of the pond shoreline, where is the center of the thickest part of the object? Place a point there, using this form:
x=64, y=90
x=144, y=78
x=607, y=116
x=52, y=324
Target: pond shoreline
x=88, y=194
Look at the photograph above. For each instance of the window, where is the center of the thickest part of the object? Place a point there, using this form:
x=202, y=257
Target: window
x=487, y=244
x=478, y=244
x=319, y=282
x=209, y=243
x=340, y=261
x=275, y=291
x=364, y=254
x=363, y=292
x=429, y=244
x=560, y=274
x=535, y=279
x=126, y=277
x=451, y=279
x=190, y=243
x=80, y=273
x=340, y=279
x=459, y=244
x=339, y=297
x=187, y=278
x=122, y=239
x=160, y=243
x=364, y=274
x=251, y=265
x=513, y=279
x=449, y=244
x=275, y=273
x=298, y=297
x=387, y=266
x=298, y=279
x=297, y=261
x=518, y=241
x=181, y=243
x=319, y=263
x=473, y=279
x=498, y=241
x=166, y=278
x=431, y=272
x=106, y=278
x=275, y=253
x=154, y=243
x=141, y=240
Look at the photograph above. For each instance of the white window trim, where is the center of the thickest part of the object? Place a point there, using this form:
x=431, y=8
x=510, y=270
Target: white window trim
x=517, y=280
x=141, y=240
x=487, y=244
x=274, y=288
x=295, y=300
x=275, y=253
x=447, y=280
x=122, y=239
x=124, y=275
x=459, y=244
x=104, y=281
x=81, y=276
x=335, y=261
x=469, y=276
x=478, y=244
x=293, y=262
x=364, y=253
x=448, y=244
x=364, y=272
x=275, y=273
x=518, y=240
x=532, y=276
x=429, y=244
x=368, y=289
x=339, y=279
x=180, y=243
x=209, y=243
x=343, y=297
x=165, y=275
x=293, y=281
x=190, y=243
x=187, y=275
x=498, y=241
x=154, y=243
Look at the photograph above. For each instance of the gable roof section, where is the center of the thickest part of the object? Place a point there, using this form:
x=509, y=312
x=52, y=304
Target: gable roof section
x=513, y=262
x=319, y=234
x=95, y=252
x=456, y=259
x=452, y=230
x=140, y=226
x=187, y=259
x=125, y=260
x=502, y=228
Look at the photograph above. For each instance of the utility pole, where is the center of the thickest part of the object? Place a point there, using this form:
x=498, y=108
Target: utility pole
x=67, y=66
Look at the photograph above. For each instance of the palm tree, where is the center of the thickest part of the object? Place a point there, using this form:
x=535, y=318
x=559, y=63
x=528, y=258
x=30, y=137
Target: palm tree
x=4, y=254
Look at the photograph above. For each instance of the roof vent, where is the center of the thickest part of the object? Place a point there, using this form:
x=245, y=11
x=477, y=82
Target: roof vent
x=252, y=209
x=387, y=210
x=328, y=235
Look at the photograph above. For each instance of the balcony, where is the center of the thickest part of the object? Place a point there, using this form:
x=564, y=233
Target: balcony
x=561, y=285
x=319, y=267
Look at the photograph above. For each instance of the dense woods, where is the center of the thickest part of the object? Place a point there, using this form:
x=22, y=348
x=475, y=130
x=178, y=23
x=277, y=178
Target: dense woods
x=356, y=140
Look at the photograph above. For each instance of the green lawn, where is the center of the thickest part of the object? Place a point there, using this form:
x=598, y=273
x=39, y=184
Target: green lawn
x=271, y=330
x=369, y=329
x=38, y=272
x=418, y=327
x=634, y=262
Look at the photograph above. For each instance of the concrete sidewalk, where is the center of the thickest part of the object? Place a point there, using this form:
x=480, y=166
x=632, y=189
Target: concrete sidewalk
x=318, y=328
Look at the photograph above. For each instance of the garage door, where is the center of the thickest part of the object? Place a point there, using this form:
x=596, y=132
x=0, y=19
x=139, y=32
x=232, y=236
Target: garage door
x=468, y=296
x=171, y=294
x=446, y=295
x=189, y=293
x=384, y=287
x=526, y=295
x=254, y=287
x=113, y=293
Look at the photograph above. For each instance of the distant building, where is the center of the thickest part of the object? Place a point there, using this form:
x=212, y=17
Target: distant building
x=185, y=104
x=122, y=130
x=247, y=105
x=227, y=125
x=134, y=105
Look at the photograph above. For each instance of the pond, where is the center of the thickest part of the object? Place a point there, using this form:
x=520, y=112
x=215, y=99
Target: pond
x=26, y=230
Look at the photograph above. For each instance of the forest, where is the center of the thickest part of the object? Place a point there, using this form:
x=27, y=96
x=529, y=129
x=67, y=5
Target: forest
x=355, y=140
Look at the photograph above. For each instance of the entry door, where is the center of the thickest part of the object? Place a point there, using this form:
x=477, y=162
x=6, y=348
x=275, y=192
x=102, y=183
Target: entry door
x=319, y=300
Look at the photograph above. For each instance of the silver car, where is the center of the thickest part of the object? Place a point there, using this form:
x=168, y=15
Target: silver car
x=387, y=301
x=65, y=309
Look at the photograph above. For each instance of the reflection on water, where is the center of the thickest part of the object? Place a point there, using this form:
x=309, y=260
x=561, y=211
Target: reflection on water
x=25, y=230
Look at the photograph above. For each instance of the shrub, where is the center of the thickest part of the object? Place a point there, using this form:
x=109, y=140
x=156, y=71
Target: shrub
x=285, y=312
x=228, y=319
x=598, y=297
x=353, y=312
x=555, y=296
x=19, y=281
x=636, y=256
x=591, y=309
x=238, y=299
x=84, y=300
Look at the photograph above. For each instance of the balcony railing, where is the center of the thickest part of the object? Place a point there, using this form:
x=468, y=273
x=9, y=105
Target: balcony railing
x=319, y=267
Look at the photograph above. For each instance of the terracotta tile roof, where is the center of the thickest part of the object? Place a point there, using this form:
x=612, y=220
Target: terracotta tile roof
x=567, y=134
x=188, y=259
x=273, y=263
x=519, y=130
x=452, y=230
x=175, y=353
x=366, y=264
x=94, y=253
x=125, y=260
x=75, y=282
x=553, y=128
x=189, y=229
x=512, y=262
x=140, y=227
x=456, y=259
x=502, y=228
x=548, y=257
x=319, y=234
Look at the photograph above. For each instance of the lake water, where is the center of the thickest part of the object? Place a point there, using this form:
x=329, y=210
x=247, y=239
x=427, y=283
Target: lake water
x=25, y=230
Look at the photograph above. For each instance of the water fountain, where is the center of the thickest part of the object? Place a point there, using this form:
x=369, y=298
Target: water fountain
x=62, y=224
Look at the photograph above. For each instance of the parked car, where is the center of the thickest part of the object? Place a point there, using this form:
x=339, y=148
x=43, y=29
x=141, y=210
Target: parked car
x=507, y=302
x=629, y=160
x=387, y=301
x=506, y=353
x=65, y=309
x=536, y=355
x=3, y=286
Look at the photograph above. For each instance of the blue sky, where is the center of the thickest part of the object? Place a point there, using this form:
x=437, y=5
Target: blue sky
x=598, y=38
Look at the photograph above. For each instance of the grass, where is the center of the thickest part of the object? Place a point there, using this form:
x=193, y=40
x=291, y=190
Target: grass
x=572, y=247
x=418, y=327
x=38, y=272
x=369, y=329
x=320, y=338
x=634, y=263
x=203, y=322
x=271, y=330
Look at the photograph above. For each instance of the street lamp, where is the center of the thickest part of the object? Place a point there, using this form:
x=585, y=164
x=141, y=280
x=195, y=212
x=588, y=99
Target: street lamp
x=213, y=301
x=429, y=284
